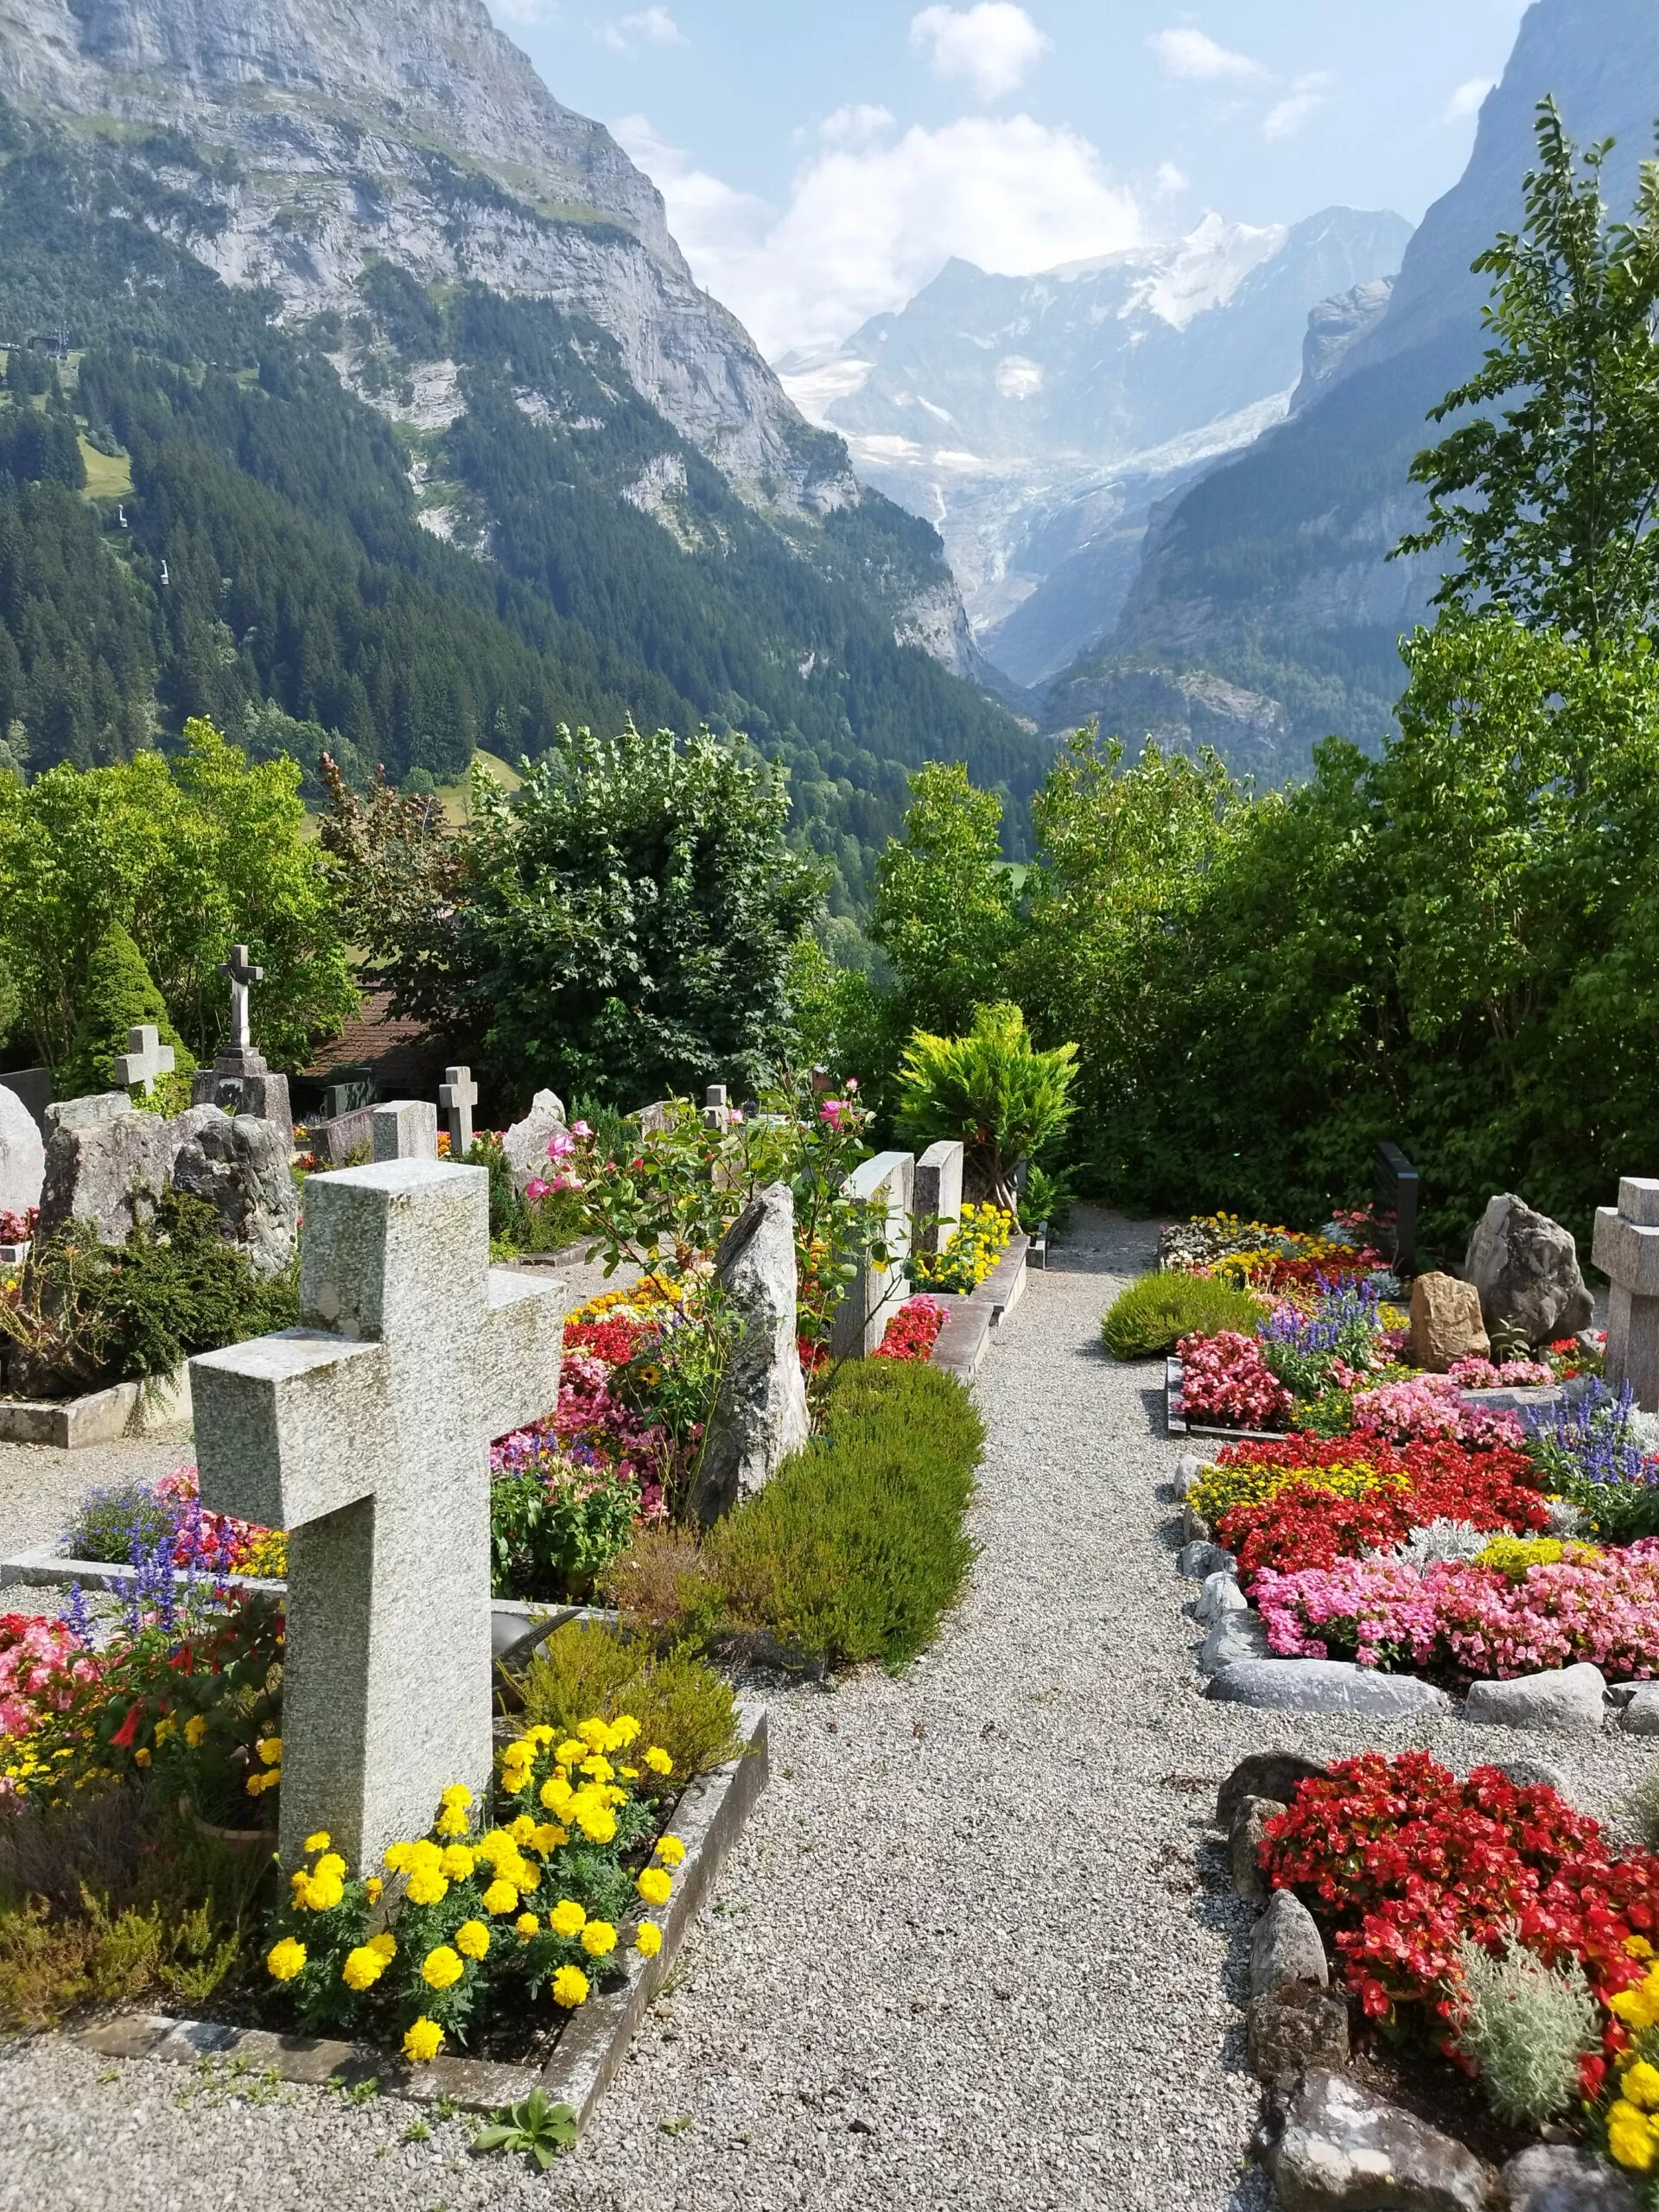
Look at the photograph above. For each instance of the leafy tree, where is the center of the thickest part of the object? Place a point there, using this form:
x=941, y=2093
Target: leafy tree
x=118, y=992
x=1004, y=1100
x=1551, y=508
x=945, y=903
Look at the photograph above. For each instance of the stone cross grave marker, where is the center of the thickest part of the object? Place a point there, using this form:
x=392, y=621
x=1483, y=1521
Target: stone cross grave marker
x=457, y=1096
x=1627, y=1248
x=365, y=1433
x=146, y=1057
x=243, y=974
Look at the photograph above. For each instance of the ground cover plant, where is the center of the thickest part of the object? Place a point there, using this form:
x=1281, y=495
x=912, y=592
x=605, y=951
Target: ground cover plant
x=679, y=1699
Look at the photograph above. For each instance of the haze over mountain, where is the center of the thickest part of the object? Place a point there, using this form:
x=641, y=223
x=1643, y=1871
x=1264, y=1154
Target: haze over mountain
x=1035, y=420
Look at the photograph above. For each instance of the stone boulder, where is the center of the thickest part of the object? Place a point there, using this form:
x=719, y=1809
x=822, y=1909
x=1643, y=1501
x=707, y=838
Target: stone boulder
x=108, y=1169
x=1325, y=1686
x=1189, y=1473
x=1220, y=1595
x=1525, y=1268
x=87, y=1112
x=1196, y=1561
x=1641, y=1714
x=1445, y=1323
x=1244, y=1845
x=1285, y=1946
x=1266, y=1774
x=22, y=1156
x=525, y=1143
x=1554, y=2178
x=239, y=1166
x=1290, y=2030
x=1234, y=1636
x=1342, y=2150
x=759, y=1416
x=1567, y=1700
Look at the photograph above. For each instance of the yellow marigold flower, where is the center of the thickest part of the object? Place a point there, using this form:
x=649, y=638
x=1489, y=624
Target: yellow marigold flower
x=1638, y=1947
x=385, y=1943
x=597, y=1822
x=1641, y=2086
x=556, y=1795
x=570, y=1751
x=495, y=1845
x=528, y=1925
x=569, y=1988
x=540, y=1734
x=500, y=1897
x=655, y=1886
x=613, y=1795
x=141, y=1757
x=284, y=1960
x=457, y=1794
x=363, y=1968
x=442, y=1968
x=522, y=1830
x=629, y=1773
x=1630, y=2138
x=256, y=1784
x=457, y=1862
x=375, y=1889
x=270, y=1748
x=452, y=1820
x=319, y=1842
x=594, y=1732
x=164, y=1727
x=648, y=1939
x=550, y=1837
x=425, y=1853
x=566, y=1918
x=658, y=1760
x=325, y=1893
x=472, y=1939
x=195, y=1729
x=597, y=1769
x=598, y=1938
x=395, y=1857
x=423, y=2041
x=427, y=1887
x=331, y=1862
x=624, y=1729
x=1635, y=2007
x=670, y=1850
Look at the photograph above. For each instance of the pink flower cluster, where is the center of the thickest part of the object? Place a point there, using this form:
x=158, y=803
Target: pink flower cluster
x=41, y=1663
x=560, y=1147
x=1430, y=1406
x=1225, y=1378
x=211, y=1540
x=1473, y=1619
x=1512, y=1374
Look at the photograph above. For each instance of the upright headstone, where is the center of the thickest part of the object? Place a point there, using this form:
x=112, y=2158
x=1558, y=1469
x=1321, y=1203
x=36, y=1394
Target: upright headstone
x=1626, y=1249
x=524, y=1146
x=717, y=1113
x=107, y=1167
x=654, y=1119
x=145, y=1058
x=873, y=1297
x=22, y=1156
x=1397, y=1186
x=760, y=1414
x=346, y=1094
x=240, y=1081
x=33, y=1087
x=406, y=1129
x=457, y=1096
x=334, y=1142
x=365, y=1433
x=938, y=1195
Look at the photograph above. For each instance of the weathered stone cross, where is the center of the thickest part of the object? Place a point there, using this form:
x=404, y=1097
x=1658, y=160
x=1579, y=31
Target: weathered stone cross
x=146, y=1058
x=365, y=1433
x=242, y=972
x=458, y=1095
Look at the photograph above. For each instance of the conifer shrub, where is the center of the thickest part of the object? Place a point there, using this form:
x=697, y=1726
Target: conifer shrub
x=119, y=995
x=1156, y=1311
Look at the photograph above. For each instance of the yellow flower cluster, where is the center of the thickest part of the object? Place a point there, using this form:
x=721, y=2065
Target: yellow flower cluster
x=1633, y=2116
x=642, y=1301
x=1516, y=1556
x=321, y=1888
x=364, y=1966
x=270, y=1776
x=1220, y=1489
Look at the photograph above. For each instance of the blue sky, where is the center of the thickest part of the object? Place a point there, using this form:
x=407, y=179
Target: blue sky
x=820, y=163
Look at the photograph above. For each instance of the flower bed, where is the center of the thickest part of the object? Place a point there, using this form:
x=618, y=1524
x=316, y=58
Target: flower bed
x=913, y=1330
x=972, y=1253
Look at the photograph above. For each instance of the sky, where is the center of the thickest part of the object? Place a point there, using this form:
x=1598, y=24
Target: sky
x=821, y=164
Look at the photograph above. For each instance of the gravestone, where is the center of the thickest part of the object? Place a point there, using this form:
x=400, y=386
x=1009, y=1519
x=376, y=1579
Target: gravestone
x=238, y=1165
x=33, y=1087
x=107, y=1164
x=1397, y=1186
x=22, y=1156
x=717, y=1113
x=874, y=1295
x=457, y=1096
x=347, y=1094
x=333, y=1143
x=145, y=1058
x=759, y=1415
x=524, y=1146
x=1526, y=1267
x=1627, y=1248
x=938, y=1196
x=240, y=1081
x=655, y=1119
x=406, y=1129
x=365, y=1433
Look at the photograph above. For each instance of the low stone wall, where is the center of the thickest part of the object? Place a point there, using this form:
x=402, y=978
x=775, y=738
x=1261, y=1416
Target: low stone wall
x=102, y=1417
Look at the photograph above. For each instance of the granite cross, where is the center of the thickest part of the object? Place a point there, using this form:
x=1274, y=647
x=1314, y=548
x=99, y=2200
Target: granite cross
x=146, y=1057
x=458, y=1095
x=1626, y=1249
x=242, y=972
x=365, y=1433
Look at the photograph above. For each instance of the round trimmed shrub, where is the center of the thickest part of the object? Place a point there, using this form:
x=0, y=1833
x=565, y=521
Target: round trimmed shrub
x=1156, y=1311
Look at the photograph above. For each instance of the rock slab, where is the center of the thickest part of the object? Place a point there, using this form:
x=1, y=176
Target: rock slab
x=107, y=1170
x=759, y=1416
x=1290, y=2030
x=1445, y=1323
x=1244, y=1845
x=1568, y=1700
x=525, y=1143
x=1220, y=1595
x=1196, y=1561
x=239, y=1166
x=1325, y=1686
x=1234, y=1636
x=1553, y=2177
x=1641, y=1714
x=1266, y=1774
x=1525, y=1268
x=22, y=1155
x=1285, y=1946
x=1342, y=2150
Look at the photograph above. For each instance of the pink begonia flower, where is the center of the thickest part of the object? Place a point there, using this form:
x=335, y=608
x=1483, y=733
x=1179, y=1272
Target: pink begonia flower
x=580, y=1129
x=535, y=1189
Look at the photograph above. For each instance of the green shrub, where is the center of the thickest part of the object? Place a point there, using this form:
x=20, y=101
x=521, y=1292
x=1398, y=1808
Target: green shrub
x=1526, y=2025
x=118, y=995
x=991, y=1088
x=856, y=1548
x=1156, y=1312
x=679, y=1699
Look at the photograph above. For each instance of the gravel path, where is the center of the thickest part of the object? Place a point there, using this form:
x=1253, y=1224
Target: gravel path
x=975, y=1949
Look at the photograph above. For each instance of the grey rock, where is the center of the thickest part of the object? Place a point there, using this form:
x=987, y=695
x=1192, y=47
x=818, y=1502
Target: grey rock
x=107, y=1170
x=1342, y=2150
x=1325, y=1686
x=1234, y=1636
x=1189, y=1473
x=759, y=1416
x=1195, y=1529
x=1555, y=2177
x=1285, y=1946
x=1244, y=1844
x=1196, y=1561
x=22, y=1155
x=1641, y=1714
x=1525, y=1268
x=87, y=1112
x=1266, y=1774
x=1220, y=1594
x=241, y=1167
x=525, y=1143
x=1566, y=1700
x=1291, y=2028
x=1533, y=1774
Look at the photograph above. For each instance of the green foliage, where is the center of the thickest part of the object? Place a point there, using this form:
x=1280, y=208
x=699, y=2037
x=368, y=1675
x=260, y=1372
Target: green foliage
x=945, y=901
x=116, y=995
x=533, y=2126
x=1551, y=508
x=856, y=1548
x=553, y=1539
x=992, y=1088
x=1526, y=2025
x=678, y=1699
x=1156, y=1311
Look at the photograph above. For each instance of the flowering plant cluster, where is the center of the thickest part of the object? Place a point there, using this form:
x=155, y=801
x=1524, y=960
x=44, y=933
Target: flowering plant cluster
x=1428, y=1406
x=18, y=1228
x=913, y=1330
x=1225, y=1378
x=131, y=1522
x=1508, y=1374
x=469, y=1924
x=975, y=1249
x=45, y=1665
x=563, y=1148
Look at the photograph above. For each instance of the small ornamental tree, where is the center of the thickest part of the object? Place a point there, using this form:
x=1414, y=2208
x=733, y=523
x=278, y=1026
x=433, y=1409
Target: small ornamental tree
x=117, y=995
x=993, y=1090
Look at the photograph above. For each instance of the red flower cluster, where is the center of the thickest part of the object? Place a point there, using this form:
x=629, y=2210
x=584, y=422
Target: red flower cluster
x=614, y=1340
x=913, y=1330
x=1288, y=1274
x=1399, y=1859
x=1306, y=1526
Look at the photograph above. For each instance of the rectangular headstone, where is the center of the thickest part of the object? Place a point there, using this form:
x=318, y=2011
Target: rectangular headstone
x=33, y=1087
x=1395, y=1189
x=350, y=1095
x=938, y=1196
x=874, y=1296
x=406, y=1129
x=1626, y=1249
x=334, y=1143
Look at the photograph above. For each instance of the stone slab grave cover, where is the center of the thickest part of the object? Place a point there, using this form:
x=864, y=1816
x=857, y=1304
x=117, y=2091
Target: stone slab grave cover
x=22, y=1156
x=1525, y=1268
x=760, y=1414
x=869, y=1301
x=1627, y=1248
x=365, y=1433
x=240, y=1079
x=938, y=1195
x=406, y=1129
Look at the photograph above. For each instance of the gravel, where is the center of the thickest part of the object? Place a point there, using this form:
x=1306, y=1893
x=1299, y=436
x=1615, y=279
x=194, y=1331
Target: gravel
x=976, y=1947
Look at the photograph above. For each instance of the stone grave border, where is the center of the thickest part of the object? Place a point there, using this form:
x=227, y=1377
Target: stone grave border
x=1177, y=1424
x=16, y=1256
x=969, y=1316
x=708, y=1819
x=102, y=1416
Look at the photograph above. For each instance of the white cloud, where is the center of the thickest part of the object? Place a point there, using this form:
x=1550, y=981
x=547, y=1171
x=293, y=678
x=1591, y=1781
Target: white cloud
x=1170, y=179
x=652, y=26
x=990, y=46
x=1466, y=100
x=1192, y=58
x=1307, y=95
x=867, y=225
x=857, y=126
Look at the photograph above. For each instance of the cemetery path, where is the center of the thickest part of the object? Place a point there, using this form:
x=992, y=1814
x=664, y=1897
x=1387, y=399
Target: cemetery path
x=976, y=1947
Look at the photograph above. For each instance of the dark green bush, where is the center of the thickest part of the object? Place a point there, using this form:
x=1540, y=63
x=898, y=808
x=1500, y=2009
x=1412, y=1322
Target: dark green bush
x=118, y=995
x=1156, y=1312
x=679, y=1699
x=856, y=1548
